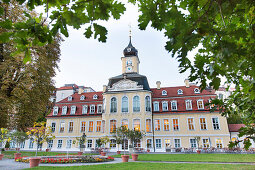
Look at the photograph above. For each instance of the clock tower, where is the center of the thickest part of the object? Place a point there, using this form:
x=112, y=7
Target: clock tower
x=130, y=61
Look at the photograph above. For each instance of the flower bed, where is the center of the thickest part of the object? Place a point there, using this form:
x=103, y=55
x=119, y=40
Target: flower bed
x=70, y=159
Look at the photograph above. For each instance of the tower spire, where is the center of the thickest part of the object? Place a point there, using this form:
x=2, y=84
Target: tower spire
x=130, y=35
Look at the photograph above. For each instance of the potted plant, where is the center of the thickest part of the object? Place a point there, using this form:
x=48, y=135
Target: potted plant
x=104, y=141
x=18, y=137
x=40, y=133
x=197, y=138
x=122, y=132
x=134, y=136
x=4, y=137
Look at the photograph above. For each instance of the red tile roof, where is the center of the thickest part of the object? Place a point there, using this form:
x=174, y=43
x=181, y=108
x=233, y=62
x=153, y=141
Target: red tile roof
x=68, y=87
x=235, y=127
x=88, y=97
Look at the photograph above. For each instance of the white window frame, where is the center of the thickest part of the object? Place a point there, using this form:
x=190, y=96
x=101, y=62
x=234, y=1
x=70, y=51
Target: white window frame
x=110, y=125
x=205, y=143
x=200, y=100
x=205, y=123
x=50, y=143
x=64, y=110
x=150, y=143
x=69, y=143
x=84, y=109
x=95, y=97
x=82, y=97
x=98, y=110
x=191, y=144
x=164, y=102
x=31, y=143
x=154, y=108
x=99, y=126
x=164, y=93
x=155, y=125
x=54, y=127
x=60, y=143
x=60, y=127
x=69, y=98
x=122, y=105
x=179, y=143
x=149, y=107
x=178, y=124
x=69, y=127
x=174, y=101
x=221, y=143
x=186, y=103
x=218, y=123
x=73, y=110
x=89, y=144
x=55, y=110
x=113, y=144
x=139, y=104
x=150, y=130
x=112, y=110
x=83, y=126
x=122, y=122
x=192, y=123
x=168, y=124
x=167, y=139
x=92, y=109
x=92, y=126
x=158, y=143
x=196, y=90
x=179, y=91
x=139, y=120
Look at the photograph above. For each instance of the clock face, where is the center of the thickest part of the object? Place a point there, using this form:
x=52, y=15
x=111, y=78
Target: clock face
x=129, y=63
x=129, y=69
x=128, y=49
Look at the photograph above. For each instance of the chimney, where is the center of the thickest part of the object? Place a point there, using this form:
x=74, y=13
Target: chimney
x=80, y=90
x=104, y=88
x=158, y=84
x=186, y=81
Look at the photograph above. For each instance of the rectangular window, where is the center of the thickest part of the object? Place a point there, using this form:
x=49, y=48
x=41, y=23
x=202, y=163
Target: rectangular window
x=60, y=142
x=206, y=143
x=73, y=110
x=149, y=143
x=188, y=104
x=62, y=127
x=89, y=143
x=92, y=109
x=91, y=126
x=124, y=123
x=99, y=126
x=148, y=125
x=50, y=144
x=177, y=143
x=173, y=105
x=53, y=127
x=164, y=106
x=166, y=125
x=157, y=125
x=112, y=143
x=83, y=126
x=215, y=122
x=84, y=109
x=99, y=108
x=156, y=106
x=68, y=143
x=219, y=143
x=64, y=110
x=191, y=123
x=193, y=143
x=70, y=130
x=200, y=104
x=55, y=110
x=113, y=125
x=137, y=144
x=158, y=143
x=167, y=143
x=31, y=143
x=136, y=124
x=175, y=124
x=203, y=124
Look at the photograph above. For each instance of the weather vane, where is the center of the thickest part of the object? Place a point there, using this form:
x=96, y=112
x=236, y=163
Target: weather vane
x=129, y=29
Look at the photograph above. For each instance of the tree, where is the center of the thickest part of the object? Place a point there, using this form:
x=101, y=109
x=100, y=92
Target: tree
x=104, y=140
x=134, y=136
x=18, y=137
x=40, y=133
x=118, y=135
x=25, y=87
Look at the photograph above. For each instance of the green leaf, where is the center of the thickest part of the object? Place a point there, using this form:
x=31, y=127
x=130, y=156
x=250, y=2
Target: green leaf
x=88, y=33
x=101, y=31
x=27, y=57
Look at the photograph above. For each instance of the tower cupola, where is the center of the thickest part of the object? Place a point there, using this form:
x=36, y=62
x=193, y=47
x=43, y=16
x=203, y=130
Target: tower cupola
x=130, y=50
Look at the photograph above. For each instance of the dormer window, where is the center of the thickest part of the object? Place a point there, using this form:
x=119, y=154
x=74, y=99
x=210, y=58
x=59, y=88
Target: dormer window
x=179, y=91
x=55, y=110
x=164, y=93
x=196, y=90
x=95, y=96
x=69, y=98
x=82, y=97
x=73, y=110
x=64, y=110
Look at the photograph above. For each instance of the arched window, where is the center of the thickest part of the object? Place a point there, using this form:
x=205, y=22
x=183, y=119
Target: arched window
x=124, y=104
x=113, y=105
x=82, y=97
x=180, y=91
x=196, y=90
x=95, y=96
x=147, y=103
x=164, y=93
x=136, y=104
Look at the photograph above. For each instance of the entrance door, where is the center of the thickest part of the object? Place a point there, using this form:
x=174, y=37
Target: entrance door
x=167, y=145
x=125, y=144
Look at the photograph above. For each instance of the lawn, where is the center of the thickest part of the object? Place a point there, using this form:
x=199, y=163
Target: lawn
x=153, y=166
x=10, y=154
x=197, y=157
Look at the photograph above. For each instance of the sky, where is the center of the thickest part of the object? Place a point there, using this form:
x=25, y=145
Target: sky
x=87, y=62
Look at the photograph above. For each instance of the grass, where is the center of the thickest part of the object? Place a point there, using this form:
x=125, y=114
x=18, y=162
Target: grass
x=197, y=157
x=148, y=166
x=10, y=154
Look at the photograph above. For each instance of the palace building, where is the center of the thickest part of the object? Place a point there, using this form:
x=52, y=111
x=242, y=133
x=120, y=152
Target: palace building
x=170, y=117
